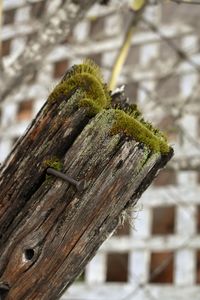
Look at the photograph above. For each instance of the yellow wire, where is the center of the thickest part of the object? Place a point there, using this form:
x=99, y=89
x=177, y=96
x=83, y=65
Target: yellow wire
x=121, y=57
x=137, y=6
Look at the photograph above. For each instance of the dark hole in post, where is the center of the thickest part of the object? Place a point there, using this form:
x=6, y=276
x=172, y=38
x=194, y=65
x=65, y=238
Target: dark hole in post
x=29, y=253
x=4, y=289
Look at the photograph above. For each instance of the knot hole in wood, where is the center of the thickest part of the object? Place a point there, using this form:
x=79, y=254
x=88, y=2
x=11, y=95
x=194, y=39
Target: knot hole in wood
x=29, y=253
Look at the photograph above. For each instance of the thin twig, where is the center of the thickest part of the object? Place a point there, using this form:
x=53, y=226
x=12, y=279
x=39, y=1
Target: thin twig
x=51, y=32
x=186, y=2
x=1, y=21
x=123, y=52
x=180, y=53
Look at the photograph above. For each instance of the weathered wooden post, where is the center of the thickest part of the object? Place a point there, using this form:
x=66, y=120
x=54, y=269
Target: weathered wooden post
x=48, y=229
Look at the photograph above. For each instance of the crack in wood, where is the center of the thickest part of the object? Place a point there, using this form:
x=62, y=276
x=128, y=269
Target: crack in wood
x=52, y=231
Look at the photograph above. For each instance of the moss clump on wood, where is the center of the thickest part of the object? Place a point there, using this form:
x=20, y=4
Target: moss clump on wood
x=84, y=83
x=53, y=162
x=140, y=131
x=86, y=78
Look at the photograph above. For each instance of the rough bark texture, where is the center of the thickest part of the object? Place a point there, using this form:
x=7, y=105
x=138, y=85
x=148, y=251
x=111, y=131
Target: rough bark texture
x=48, y=230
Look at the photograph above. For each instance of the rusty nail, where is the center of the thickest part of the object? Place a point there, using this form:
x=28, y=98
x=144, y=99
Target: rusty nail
x=80, y=185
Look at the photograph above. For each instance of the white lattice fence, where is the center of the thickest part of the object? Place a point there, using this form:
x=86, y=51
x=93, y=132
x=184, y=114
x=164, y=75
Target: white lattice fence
x=160, y=257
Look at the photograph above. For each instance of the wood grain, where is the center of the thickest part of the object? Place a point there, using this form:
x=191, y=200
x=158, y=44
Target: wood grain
x=48, y=230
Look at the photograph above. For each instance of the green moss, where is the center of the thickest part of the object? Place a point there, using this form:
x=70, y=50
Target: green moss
x=140, y=131
x=87, y=66
x=53, y=162
x=80, y=277
x=133, y=111
x=94, y=108
x=84, y=85
x=86, y=78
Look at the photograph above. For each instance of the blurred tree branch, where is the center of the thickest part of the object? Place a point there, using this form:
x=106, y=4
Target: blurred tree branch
x=1, y=22
x=186, y=2
x=51, y=31
x=137, y=7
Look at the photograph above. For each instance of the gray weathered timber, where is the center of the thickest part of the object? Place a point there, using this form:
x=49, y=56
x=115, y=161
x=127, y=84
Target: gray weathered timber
x=51, y=134
x=49, y=231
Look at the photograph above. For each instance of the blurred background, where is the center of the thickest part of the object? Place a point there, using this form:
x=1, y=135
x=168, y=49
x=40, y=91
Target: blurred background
x=155, y=254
